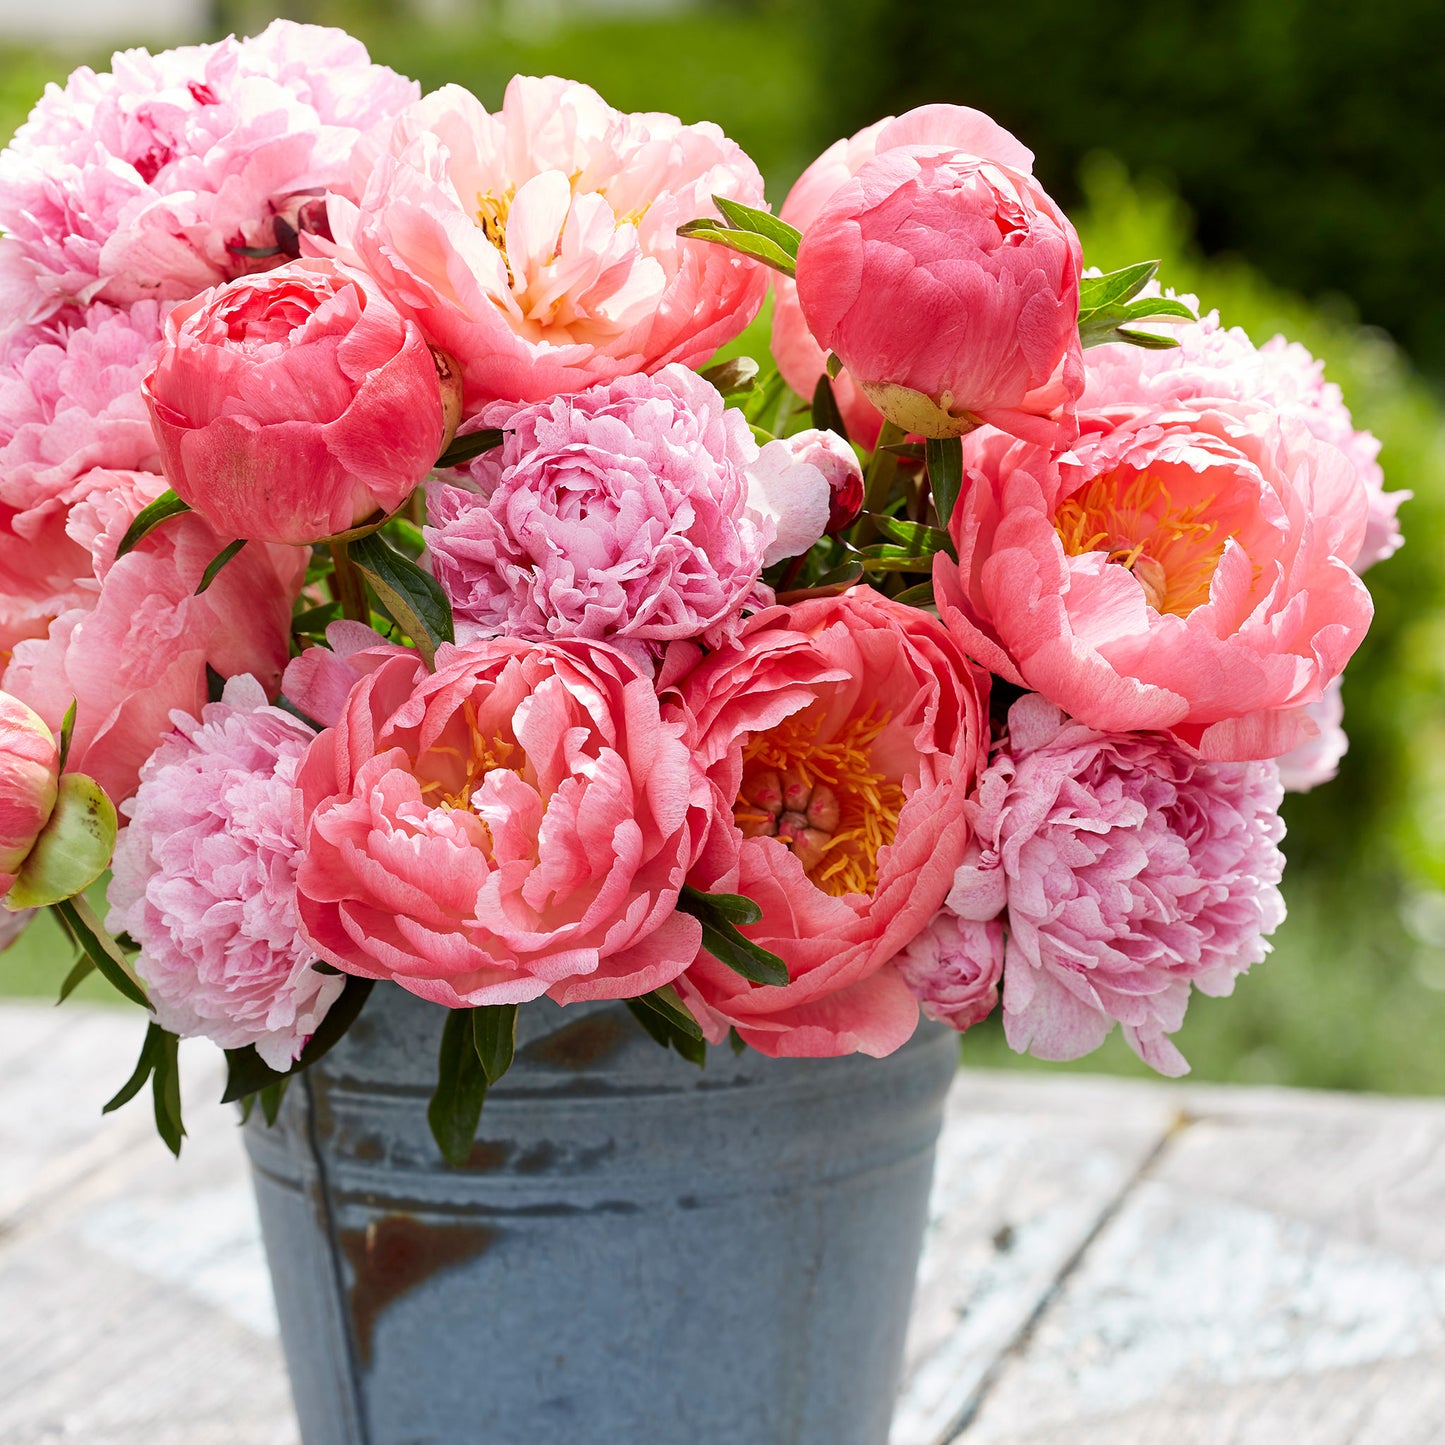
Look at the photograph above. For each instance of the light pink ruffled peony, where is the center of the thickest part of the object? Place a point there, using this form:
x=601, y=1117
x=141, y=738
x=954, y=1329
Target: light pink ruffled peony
x=539, y=245
x=293, y=406
x=840, y=737
x=839, y=465
x=1317, y=759
x=1130, y=870
x=71, y=416
x=29, y=772
x=1217, y=363
x=140, y=648
x=948, y=285
x=1180, y=570
x=800, y=359
x=204, y=879
x=161, y=177
x=638, y=512
x=518, y=823
x=953, y=969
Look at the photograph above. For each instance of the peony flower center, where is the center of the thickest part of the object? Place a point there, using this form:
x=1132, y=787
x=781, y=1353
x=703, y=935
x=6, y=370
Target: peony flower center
x=1171, y=548
x=454, y=767
x=492, y=212
x=827, y=802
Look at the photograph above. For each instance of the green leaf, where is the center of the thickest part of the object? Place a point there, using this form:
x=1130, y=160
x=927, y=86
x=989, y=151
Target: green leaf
x=833, y=365
x=464, y=448
x=749, y=243
x=67, y=731
x=494, y=1032
x=735, y=1042
x=665, y=1003
x=733, y=907
x=1157, y=306
x=166, y=505
x=86, y=930
x=248, y=1073
x=1114, y=286
x=414, y=599
x=1147, y=339
x=945, y=474
x=166, y=1091
x=732, y=378
x=826, y=416
x=214, y=566
x=270, y=1099
x=915, y=536
x=215, y=684
x=149, y=1049
x=670, y=1024
x=919, y=596
x=726, y=944
x=84, y=967
x=762, y=223
x=315, y=619
x=456, y=1105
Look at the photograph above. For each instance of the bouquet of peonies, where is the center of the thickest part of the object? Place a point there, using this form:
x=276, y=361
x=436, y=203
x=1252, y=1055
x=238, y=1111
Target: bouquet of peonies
x=395, y=585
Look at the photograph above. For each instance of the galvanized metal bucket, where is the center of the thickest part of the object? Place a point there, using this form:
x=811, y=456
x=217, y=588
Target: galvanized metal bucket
x=637, y=1253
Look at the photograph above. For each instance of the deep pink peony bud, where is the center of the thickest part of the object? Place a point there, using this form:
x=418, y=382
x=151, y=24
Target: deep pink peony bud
x=948, y=285
x=838, y=463
x=293, y=405
x=29, y=772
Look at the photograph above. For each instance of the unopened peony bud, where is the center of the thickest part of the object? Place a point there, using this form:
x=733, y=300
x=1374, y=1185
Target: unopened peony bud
x=29, y=773
x=838, y=463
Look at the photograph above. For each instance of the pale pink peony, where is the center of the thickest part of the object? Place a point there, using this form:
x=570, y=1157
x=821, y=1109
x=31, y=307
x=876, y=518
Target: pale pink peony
x=140, y=649
x=518, y=823
x=800, y=359
x=839, y=465
x=948, y=285
x=29, y=773
x=1317, y=759
x=953, y=969
x=1128, y=869
x=638, y=512
x=1179, y=570
x=293, y=406
x=158, y=178
x=840, y=737
x=71, y=416
x=204, y=879
x=1217, y=363
x=539, y=245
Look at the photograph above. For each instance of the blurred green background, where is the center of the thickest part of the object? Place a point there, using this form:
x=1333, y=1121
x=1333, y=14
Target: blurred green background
x=1281, y=158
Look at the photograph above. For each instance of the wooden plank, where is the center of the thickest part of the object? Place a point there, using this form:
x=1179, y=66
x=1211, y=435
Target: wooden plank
x=1278, y=1274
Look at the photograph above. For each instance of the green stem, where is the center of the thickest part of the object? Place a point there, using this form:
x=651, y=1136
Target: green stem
x=878, y=480
x=350, y=589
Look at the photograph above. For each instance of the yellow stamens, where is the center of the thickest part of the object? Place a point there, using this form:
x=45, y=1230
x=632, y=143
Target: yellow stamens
x=492, y=213
x=480, y=756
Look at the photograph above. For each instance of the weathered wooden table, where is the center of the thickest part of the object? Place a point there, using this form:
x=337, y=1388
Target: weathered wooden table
x=1110, y=1262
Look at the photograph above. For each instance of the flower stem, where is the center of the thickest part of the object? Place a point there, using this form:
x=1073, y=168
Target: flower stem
x=350, y=589
x=878, y=480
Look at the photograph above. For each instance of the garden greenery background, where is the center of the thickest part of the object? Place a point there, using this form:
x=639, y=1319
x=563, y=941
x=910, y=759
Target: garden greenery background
x=1281, y=159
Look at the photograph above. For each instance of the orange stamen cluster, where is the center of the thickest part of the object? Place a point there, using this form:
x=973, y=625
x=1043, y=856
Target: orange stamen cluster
x=480, y=756
x=1171, y=549
x=826, y=801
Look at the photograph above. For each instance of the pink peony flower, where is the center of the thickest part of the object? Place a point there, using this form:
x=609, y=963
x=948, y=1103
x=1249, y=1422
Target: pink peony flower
x=175, y=172
x=539, y=245
x=1179, y=570
x=319, y=680
x=953, y=969
x=948, y=285
x=293, y=406
x=518, y=823
x=139, y=650
x=71, y=416
x=838, y=463
x=204, y=879
x=637, y=512
x=1129, y=869
x=29, y=772
x=1213, y=363
x=840, y=737
x=1317, y=759
x=800, y=359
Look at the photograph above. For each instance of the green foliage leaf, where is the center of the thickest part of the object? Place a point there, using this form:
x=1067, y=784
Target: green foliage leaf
x=214, y=566
x=414, y=598
x=749, y=243
x=762, y=223
x=144, y=1065
x=833, y=365
x=733, y=378
x=1149, y=340
x=826, y=416
x=248, y=1073
x=664, y=1015
x=464, y=448
x=1114, y=286
x=917, y=537
x=461, y=1089
x=890, y=557
x=314, y=620
x=919, y=596
x=494, y=1033
x=67, y=731
x=727, y=945
x=160, y=1063
x=84, y=967
x=945, y=474
x=148, y=518
x=735, y=907
x=666, y=1004
x=85, y=928
x=735, y=1042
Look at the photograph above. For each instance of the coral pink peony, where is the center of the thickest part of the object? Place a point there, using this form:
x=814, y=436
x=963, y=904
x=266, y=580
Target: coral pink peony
x=948, y=285
x=1213, y=363
x=1127, y=869
x=953, y=969
x=71, y=416
x=294, y=405
x=175, y=172
x=518, y=823
x=29, y=772
x=1179, y=570
x=204, y=879
x=800, y=359
x=637, y=512
x=140, y=649
x=539, y=245
x=840, y=737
